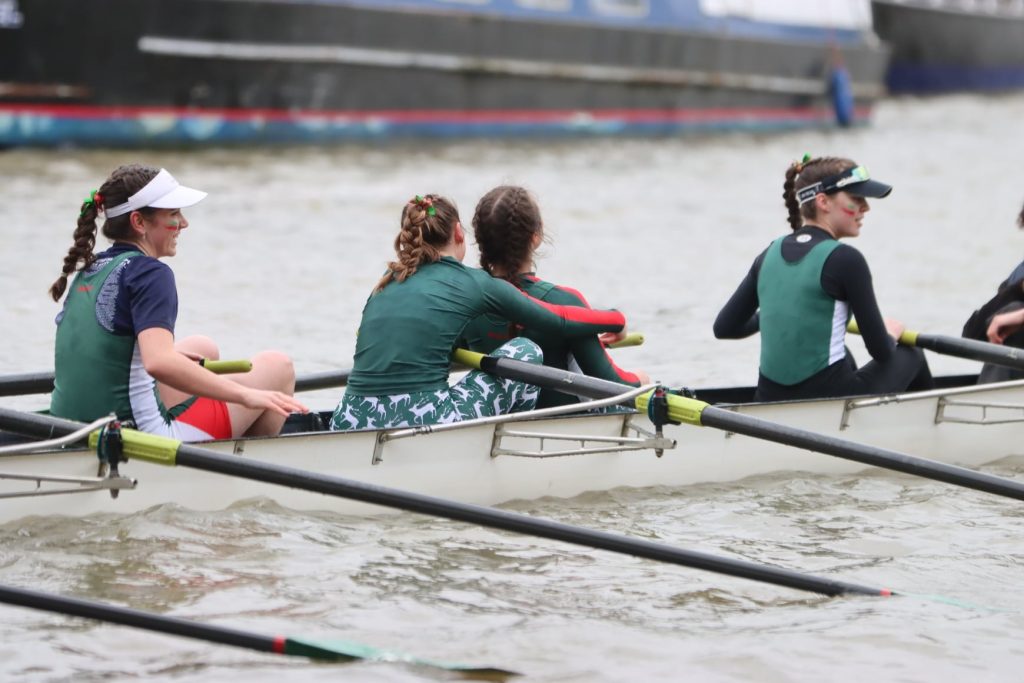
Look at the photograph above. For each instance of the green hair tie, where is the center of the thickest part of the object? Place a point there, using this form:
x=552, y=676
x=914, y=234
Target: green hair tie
x=93, y=199
x=422, y=201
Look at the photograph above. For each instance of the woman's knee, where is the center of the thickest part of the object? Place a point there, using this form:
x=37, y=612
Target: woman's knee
x=521, y=348
x=199, y=344
x=276, y=364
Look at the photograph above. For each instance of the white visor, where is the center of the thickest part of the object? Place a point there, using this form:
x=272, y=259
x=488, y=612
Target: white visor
x=162, y=192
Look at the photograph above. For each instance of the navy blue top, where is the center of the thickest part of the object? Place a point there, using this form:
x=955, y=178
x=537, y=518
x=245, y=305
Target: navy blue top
x=143, y=290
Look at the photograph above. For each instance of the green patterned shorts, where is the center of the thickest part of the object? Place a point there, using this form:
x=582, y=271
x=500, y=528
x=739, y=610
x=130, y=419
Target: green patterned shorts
x=478, y=394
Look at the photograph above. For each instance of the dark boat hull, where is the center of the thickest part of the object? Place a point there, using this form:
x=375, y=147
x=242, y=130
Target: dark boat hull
x=936, y=50
x=192, y=71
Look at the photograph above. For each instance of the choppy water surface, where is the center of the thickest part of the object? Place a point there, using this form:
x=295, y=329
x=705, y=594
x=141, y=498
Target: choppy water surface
x=283, y=254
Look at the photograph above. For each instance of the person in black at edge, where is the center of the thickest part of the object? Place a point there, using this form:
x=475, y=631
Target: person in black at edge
x=999, y=321
x=802, y=290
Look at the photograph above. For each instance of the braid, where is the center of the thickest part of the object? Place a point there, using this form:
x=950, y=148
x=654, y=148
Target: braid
x=504, y=225
x=803, y=174
x=1020, y=218
x=80, y=251
x=122, y=184
x=422, y=236
x=789, y=195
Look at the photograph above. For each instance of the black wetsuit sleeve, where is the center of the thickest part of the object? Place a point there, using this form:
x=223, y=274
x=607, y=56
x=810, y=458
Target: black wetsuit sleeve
x=739, y=317
x=1008, y=297
x=589, y=352
x=846, y=277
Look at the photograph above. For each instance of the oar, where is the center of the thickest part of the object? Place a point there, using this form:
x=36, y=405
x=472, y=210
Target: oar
x=164, y=451
x=331, y=650
x=972, y=349
x=322, y=380
x=692, y=411
x=631, y=339
x=42, y=382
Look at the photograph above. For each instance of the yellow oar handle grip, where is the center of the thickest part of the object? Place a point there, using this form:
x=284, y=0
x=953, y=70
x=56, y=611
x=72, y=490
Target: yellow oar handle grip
x=226, y=367
x=159, y=450
x=631, y=339
x=908, y=338
x=680, y=408
x=471, y=359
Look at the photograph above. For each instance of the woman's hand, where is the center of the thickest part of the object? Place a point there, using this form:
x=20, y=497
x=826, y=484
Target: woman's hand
x=609, y=338
x=894, y=327
x=279, y=402
x=1005, y=324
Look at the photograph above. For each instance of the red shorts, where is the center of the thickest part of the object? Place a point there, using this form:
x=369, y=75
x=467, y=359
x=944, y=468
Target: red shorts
x=210, y=416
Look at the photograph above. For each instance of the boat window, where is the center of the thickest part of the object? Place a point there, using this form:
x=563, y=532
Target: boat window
x=547, y=5
x=622, y=8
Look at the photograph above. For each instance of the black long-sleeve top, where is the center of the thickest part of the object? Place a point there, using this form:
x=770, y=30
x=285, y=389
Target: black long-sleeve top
x=845, y=276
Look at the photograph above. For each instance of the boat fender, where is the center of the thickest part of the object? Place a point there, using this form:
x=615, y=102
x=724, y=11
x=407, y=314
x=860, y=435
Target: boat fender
x=841, y=91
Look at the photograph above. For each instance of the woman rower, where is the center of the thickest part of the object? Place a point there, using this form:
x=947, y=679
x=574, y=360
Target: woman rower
x=802, y=290
x=415, y=315
x=115, y=347
x=508, y=230
x=1000, y=321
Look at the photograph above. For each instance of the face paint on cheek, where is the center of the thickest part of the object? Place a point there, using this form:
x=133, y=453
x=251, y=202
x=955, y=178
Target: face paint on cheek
x=173, y=225
x=849, y=209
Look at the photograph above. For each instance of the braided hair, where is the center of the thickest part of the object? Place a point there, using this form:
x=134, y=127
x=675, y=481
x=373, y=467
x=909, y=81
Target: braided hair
x=505, y=223
x=122, y=184
x=428, y=223
x=801, y=174
x=1020, y=218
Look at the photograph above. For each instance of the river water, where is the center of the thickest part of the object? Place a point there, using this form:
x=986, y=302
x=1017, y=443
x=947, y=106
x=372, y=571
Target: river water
x=282, y=255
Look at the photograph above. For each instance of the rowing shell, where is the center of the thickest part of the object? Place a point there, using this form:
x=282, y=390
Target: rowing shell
x=527, y=456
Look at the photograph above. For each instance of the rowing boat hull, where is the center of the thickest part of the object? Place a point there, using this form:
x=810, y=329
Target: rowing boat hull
x=967, y=426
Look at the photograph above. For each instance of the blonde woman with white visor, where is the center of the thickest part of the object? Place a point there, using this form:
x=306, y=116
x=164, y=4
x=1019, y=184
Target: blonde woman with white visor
x=115, y=346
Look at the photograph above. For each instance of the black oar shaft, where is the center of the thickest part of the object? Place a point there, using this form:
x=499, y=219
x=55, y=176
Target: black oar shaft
x=77, y=607
x=198, y=458
x=973, y=349
x=322, y=380
x=42, y=382
x=210, y=461
x=28, y=383
x=747, y=425
x=552, y=378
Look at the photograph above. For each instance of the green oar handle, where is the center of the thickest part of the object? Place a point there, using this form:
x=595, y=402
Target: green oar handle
x=226, y=367
x=631, y=339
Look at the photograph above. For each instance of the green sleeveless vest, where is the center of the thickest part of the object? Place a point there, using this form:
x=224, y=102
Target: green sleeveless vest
x=92, y=365
x=796, y=314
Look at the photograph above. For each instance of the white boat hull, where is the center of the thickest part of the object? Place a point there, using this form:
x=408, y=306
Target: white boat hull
x=967, y=426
